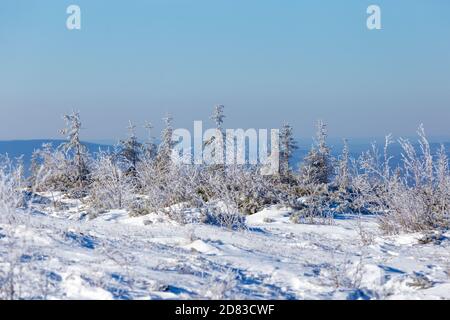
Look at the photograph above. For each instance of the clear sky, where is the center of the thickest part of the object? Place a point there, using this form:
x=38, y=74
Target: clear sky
x=267, y=61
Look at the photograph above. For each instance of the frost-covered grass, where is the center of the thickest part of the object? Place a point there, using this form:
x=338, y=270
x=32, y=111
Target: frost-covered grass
x=62, y=254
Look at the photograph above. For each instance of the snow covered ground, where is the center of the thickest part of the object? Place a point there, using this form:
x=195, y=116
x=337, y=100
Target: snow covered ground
x=64, y=255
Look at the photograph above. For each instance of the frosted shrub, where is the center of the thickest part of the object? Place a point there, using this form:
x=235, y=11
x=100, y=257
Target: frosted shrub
x=224, y=214
x=247, y=189
x=244, y=187
x=52, y=171
x=14, y=276
x=406, y=210
x=168, y=185
x=11, y=196
x=146, y=178
x=165, y=181
x=442, y=189
x=177, y=188
x=315, y=210
x=413, y=198
x=65, y=168
x=222, y=285
x=343, y=178
x=111, y=187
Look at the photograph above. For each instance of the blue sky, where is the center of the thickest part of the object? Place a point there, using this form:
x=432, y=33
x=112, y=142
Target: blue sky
x=266, y=61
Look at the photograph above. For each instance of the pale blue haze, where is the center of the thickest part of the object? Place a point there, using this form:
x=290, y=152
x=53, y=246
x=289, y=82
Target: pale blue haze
x=266, y=61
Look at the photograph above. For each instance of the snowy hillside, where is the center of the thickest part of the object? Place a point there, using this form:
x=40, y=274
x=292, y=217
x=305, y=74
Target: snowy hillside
x=135, y=222
x=61, y=254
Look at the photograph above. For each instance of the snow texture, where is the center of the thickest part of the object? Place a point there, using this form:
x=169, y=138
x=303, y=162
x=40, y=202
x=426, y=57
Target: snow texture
x=50, y=254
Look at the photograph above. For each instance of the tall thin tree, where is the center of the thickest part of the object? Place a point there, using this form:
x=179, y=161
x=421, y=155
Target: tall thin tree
x=73, y=144
x=287, y=147
x=131, y=149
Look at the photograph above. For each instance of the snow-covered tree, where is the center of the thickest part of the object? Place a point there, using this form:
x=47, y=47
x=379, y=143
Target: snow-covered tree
x=287, y=148
x=215, y=147
x=317, y=167
x=442, y=184
x=164, y=157
x=131, y=150
x=343, y=174
x=442, y=171
x=150, y=148
x=218, y=116
x=73, y=147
